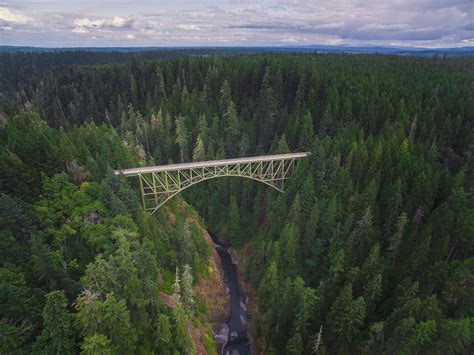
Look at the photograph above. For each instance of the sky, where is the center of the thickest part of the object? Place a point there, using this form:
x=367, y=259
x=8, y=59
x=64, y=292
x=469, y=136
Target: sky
x=73, y=23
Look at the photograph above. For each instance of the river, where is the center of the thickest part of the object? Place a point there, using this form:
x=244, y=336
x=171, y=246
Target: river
x=238, y=340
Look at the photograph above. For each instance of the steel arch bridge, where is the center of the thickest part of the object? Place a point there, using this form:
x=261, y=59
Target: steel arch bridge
x=158, y=184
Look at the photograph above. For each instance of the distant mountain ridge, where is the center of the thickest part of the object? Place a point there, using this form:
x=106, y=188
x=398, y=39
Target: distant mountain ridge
x=404, y=51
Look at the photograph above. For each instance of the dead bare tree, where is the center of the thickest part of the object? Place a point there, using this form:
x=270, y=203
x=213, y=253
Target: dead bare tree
x=77, y=173
x=319, y=341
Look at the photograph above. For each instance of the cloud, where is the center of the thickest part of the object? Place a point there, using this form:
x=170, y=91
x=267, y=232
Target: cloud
x=330, y=26
x=116, y=21
x=119, y=22
x=400, y=31
x=188, y=27
x=13, y=17
x=271, y=22
x=82, y=25
x=80, y=30
x=382, y=27
x=87, y=23
x=469, y=26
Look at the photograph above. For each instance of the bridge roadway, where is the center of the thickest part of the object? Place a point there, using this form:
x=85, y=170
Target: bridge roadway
x=209, y=163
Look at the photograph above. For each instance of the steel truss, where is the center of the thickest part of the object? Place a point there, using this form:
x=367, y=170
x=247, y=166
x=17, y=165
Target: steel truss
x=160, y=184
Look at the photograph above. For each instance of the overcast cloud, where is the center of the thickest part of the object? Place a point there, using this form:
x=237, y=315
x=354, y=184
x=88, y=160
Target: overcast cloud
x=56, y=23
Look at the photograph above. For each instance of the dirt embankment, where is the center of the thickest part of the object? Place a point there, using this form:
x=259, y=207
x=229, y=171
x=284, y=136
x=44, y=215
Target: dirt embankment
x=210, y=291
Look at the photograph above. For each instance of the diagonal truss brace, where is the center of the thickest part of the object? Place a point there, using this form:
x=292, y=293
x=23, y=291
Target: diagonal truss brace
x=161, y=184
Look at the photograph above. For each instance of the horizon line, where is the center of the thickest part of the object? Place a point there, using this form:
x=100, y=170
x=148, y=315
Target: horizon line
x=349, y=46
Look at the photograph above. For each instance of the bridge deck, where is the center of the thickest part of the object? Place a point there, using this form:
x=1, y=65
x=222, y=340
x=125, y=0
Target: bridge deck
x=210, y=163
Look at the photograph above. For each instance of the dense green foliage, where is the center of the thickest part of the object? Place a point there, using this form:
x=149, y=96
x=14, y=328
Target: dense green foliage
x=371, y=240
x=80, y=266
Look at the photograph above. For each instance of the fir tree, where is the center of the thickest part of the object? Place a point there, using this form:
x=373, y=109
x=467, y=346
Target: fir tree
x=188, y=292
x=199, y=153
x=182, y=138
x=57, y=335
x=177, y=287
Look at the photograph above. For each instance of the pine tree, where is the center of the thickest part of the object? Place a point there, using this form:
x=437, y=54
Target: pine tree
x=186, y=244
x=294, y=215
x=396, y=238
x=345, y=319
x=177, y=287
x=244, y=146
x=421, y=338
x=57, y=335
x=391, y=201
x=347, y=109
x=307, y=195
x=161, y=83
x=225, y=98
x=306, y=134
x=456, y=336
x=360, y=240
x=109, y=317
x=182, y=138
x=163, y=333
x=373, y=291
x=199, y=153
x=235, y=228
x=182, y=339
x=269, y=286
x=97, y=344
x=282, y=146
x=305, y=299
x=295, y=345
x=231, y=129
x=134, y=91
x=327, y=124
x=188, y=291
x=203, y=129
x=291, y=245
x=11, y=338
x=268, y=109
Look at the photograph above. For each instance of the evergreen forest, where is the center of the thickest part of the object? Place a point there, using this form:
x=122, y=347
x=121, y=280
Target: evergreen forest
x=369, y=250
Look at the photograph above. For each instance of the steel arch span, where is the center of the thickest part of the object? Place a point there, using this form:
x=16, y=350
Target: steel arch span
x=158, y=184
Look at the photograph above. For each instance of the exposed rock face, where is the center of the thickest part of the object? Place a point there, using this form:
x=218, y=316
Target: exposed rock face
x=214, y=294
x=212, y=290
x=222, y=336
